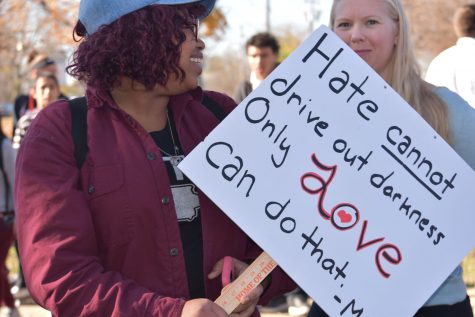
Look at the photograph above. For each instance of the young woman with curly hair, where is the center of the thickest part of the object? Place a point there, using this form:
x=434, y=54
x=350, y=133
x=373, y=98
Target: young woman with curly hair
x=127, y=234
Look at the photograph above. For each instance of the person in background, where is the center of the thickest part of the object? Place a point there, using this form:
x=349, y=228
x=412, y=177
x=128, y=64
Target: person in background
x=125, y=233
x=7, y=217
x=454, y=68
x=378, y=31
x=37, y=63
x=45, y=91
x=262, y=51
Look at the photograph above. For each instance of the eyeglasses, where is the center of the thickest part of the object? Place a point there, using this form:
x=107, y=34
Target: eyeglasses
x=195, y=27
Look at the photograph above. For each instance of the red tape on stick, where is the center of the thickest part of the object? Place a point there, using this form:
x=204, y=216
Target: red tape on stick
x=228, y=275
x=255, y=273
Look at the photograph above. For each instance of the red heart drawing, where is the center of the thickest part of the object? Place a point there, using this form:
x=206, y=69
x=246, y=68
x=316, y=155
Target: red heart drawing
x=344, y=216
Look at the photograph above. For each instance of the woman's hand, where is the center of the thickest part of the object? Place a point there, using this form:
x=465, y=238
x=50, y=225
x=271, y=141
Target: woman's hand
x=202, y=307
x=249, y=302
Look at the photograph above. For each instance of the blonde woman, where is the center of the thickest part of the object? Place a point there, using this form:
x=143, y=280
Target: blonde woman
x=378, y=31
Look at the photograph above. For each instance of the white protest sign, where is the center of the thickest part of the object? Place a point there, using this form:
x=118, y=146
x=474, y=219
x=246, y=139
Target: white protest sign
x=349, y=190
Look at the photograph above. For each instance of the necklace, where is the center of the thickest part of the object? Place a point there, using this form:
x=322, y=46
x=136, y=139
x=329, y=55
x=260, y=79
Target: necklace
x=177, y=158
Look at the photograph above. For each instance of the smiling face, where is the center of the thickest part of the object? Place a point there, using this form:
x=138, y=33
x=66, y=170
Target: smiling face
x=367, y=27
x=191, y=62
x=191, y=58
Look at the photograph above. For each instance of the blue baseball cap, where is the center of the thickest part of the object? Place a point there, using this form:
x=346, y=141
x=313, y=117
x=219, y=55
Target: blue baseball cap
x=95, y=13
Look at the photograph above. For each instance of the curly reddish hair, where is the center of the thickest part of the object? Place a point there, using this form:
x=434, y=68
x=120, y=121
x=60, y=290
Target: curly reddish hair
x=144, y=45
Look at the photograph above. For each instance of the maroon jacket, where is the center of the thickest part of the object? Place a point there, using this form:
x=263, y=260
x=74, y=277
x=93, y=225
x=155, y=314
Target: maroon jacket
x=108, y=247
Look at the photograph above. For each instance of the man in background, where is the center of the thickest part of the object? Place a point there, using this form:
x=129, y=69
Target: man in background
x=262, y=51
x=45, y=91
x=38, y=63
x=454, y=68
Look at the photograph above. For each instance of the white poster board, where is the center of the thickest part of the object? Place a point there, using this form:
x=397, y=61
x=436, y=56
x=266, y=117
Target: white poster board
x=341, y=182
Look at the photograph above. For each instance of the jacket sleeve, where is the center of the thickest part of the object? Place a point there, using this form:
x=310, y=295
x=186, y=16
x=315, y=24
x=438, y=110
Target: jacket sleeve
x=58, y=246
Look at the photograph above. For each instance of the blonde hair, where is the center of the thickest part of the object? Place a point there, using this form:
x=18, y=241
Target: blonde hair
x=404, y=75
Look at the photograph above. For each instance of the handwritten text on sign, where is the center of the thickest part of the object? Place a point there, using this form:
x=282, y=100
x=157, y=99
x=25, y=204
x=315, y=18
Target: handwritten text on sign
x=341, y=182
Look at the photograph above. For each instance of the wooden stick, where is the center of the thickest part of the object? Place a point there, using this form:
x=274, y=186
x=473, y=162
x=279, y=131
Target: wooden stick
x=255, y=273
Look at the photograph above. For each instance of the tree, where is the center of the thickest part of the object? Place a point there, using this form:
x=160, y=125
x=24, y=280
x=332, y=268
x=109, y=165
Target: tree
x=289, y=39
x=215, y=24
x=44, y=25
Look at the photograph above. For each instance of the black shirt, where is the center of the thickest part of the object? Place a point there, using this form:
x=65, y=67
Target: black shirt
x=187, y=208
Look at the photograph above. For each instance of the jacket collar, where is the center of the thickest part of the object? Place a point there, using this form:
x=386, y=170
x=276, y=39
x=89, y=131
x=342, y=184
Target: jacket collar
x=97, y=98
